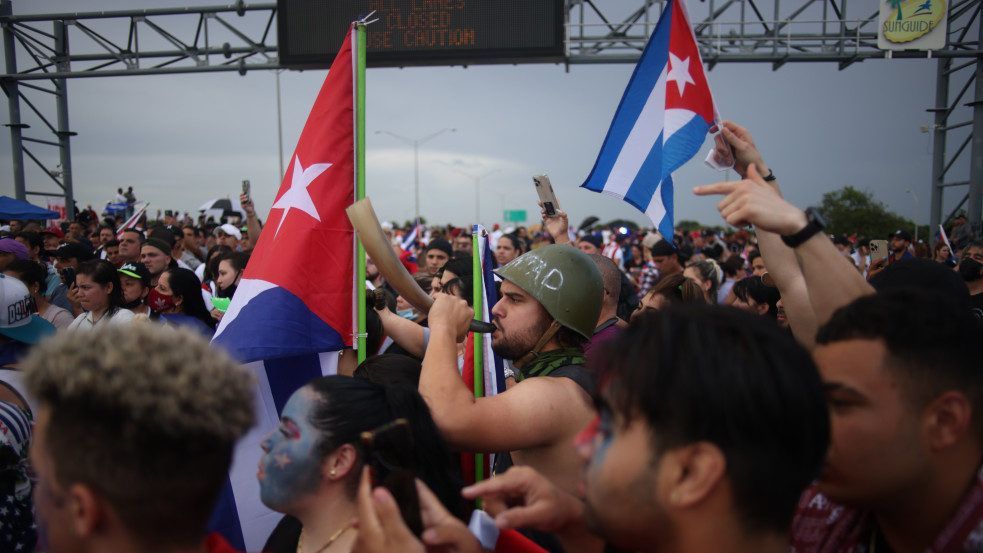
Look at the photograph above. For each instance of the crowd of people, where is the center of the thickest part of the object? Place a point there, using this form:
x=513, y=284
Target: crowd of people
x=774, y=389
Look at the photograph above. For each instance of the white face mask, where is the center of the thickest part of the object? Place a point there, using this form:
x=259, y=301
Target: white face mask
x=407, y=314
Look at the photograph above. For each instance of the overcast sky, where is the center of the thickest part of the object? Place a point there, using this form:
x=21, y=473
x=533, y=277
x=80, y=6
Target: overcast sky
x=181, y=140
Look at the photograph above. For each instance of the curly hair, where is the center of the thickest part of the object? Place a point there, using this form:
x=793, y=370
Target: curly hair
x=147, y=418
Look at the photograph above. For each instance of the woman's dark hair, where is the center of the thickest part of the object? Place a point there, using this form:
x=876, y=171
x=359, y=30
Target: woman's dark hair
x=677, y=288
x=103, y=272
x=350, y=406
x=212, y=259
x=517, y=243
x=754, y=288
x=185, y=283
x=29, y=272
x=463, y=285
x=711, y=272
x=733, y=264
x=756, y=395
x=238, y=260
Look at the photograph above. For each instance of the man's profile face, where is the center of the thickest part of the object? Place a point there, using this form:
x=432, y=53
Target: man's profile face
x=371, y=270
x=974, y=253
x=519, y=322
x=462, y=244
x=875, y=443
x=51, y=501
x=226, y=239
x=435, y=260
x=666, y=264
x=621, y=482
x=758, y=267
x=587, y=247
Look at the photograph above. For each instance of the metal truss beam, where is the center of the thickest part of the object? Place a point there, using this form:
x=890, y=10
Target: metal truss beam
x=238, y=37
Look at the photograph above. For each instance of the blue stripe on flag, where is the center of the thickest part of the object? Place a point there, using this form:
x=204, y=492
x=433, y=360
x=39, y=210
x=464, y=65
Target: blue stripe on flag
x=665, y=226
x=288, y=374
x=649, y=176
x=653, y=61
x=682, y=145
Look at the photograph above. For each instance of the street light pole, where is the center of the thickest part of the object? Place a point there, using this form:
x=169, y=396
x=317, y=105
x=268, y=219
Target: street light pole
x=416, y=161
x=477, y=195
x=914, y=197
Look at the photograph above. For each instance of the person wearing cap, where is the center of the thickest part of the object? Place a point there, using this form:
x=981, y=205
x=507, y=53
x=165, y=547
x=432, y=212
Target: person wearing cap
x=11, y=249
x=156, y=255
x=33, y=274
x=590, y=244
x=100, y=294
x=52, y=238
x=19, y=328
x=129, y=245
x=551, y=301
x=134, y=279
x=437, y=252
x=900, y=244
x=666, y=258
x=227, y=235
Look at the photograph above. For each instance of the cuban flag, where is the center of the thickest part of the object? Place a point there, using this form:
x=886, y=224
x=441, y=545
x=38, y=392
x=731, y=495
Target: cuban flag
x=410, y=239
x=661, y=123
x=131, y=222
x=293, y=309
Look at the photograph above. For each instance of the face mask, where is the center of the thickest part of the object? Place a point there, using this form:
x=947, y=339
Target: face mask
x=135, y=303
x=159, y=302
x=407, y=313
x=226, y=292
x=969, y=269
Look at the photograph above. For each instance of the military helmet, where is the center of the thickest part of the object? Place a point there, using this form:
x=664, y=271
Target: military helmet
x=564, y=280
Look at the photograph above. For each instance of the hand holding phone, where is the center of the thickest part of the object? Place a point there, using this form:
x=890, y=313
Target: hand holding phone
x=546, y=195
x=878, y=251
x=68, y=275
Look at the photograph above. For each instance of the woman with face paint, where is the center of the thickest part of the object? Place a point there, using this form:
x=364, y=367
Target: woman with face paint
x=312, y=462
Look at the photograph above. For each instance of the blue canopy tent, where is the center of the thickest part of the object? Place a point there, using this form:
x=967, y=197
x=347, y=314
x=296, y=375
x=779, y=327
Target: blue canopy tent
x=21, y=211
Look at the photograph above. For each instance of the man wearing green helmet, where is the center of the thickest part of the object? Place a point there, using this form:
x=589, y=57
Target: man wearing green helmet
x=551, y=300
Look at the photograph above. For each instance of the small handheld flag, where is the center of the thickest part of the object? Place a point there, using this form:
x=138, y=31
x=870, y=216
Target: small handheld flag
x=660, y=124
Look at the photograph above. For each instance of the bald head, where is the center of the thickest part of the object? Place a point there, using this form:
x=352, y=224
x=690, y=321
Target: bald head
x=611, y=275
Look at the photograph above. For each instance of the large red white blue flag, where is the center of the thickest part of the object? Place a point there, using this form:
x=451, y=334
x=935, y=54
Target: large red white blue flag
x=660, y=124
x=293, y=309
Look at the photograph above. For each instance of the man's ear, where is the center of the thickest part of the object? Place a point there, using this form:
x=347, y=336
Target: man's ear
x=88, y=510
x=946, y=419
x=698, y=469
x=762, y=308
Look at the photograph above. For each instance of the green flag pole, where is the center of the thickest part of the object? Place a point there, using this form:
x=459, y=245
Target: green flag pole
x=479, y=340
x=359, y=288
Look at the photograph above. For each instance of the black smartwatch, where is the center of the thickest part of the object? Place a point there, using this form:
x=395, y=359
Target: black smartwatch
x=815, y=225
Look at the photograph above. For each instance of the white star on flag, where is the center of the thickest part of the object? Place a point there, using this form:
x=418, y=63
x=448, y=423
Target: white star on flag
x=679, y=72
x=297, y=196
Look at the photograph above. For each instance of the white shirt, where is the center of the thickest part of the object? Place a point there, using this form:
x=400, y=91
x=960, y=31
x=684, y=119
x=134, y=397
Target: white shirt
x=84, y=321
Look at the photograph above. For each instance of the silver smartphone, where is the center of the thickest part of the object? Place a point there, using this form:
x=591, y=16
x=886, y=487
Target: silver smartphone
x=546, y=195
x=878, y=250
x=245, y=187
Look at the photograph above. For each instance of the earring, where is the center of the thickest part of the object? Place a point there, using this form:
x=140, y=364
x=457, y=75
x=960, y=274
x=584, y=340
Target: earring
x=332, y=473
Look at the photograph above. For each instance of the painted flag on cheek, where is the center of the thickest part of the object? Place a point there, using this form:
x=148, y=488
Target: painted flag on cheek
x=661, y=122
x=293, y=309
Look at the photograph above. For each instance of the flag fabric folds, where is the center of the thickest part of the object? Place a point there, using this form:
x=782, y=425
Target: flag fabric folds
x=131, y=222
x=293, y=308
x=484, y=370
x=410, y=239
x=660, y=124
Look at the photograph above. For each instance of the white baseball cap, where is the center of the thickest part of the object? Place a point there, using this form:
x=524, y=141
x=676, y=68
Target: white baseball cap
x=229, y=229
x=16, y=320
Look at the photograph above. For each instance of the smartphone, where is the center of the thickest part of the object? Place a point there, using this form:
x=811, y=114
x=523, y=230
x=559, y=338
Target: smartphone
x=68, y=273
x=389, y=453
x=546, y=195
x=245, y=187
x=878, y=250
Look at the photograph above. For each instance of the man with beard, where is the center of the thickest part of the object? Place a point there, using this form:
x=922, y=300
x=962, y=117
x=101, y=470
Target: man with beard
x=551, y=300
x=694, y=449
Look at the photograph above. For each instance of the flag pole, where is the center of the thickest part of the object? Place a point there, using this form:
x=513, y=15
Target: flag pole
x=478, y=291
x=360, y=181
